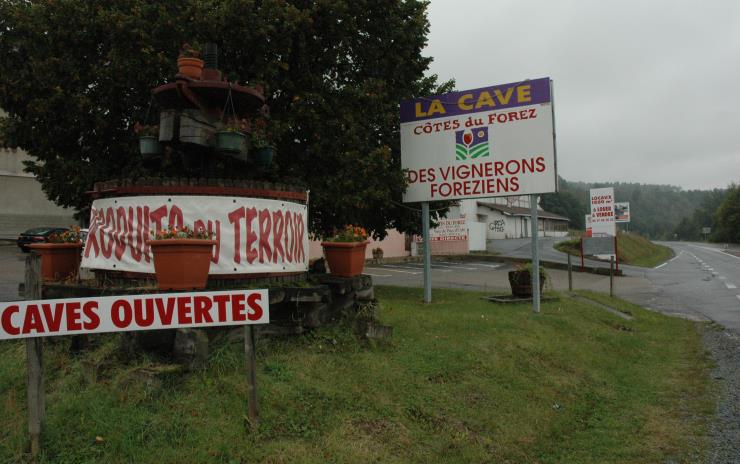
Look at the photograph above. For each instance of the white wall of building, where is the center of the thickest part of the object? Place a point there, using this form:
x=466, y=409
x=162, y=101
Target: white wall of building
x=24, y=205
x=476, y=236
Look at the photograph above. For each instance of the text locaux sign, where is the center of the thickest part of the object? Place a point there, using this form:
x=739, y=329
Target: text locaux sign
x=75, y=316
x=487, y=142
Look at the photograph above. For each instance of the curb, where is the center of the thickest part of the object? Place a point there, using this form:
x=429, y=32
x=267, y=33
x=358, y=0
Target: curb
x=499, y=259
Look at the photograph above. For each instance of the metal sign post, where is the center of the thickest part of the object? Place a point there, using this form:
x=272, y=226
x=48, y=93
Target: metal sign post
x=427, y=252
x=535, y=256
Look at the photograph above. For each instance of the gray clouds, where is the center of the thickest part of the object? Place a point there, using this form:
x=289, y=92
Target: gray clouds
x=645, y=91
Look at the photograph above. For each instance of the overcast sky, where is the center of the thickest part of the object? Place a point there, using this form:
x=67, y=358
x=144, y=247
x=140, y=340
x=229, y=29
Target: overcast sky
x=645, y=91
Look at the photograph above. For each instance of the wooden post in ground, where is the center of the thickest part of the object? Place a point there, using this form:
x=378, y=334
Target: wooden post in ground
x=251, y=365
x=34, y=361
x=611, y=276
x=570, y=275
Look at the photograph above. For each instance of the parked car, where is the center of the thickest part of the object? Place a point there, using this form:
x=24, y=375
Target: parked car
x=37, y=235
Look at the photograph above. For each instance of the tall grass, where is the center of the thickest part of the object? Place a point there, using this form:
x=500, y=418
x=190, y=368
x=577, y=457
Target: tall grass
x=463, y=380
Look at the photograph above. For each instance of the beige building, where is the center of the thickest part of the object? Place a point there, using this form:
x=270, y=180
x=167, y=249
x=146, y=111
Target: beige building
x=23, y=204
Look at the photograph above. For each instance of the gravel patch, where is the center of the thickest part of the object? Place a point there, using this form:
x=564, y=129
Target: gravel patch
x=724, y=433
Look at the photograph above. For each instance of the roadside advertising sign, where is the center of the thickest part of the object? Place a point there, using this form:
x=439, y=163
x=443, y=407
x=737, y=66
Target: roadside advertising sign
x=622, y=212
x=593, y=246
x=253, y=235
x=448, y=230
x=602, y=212
x=487, y=142
x=589, y=231
x=125, y=313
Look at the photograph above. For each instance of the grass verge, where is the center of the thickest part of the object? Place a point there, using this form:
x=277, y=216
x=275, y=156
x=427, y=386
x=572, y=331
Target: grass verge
x=463, y=380
x=633, y=249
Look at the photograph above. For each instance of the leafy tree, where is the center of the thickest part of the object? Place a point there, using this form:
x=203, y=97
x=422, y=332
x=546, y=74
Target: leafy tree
x=728, y=217
x=76, y=75
x=567, y=202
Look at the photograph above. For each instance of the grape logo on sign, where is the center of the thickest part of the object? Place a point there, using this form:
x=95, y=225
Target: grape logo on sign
x=471, y=143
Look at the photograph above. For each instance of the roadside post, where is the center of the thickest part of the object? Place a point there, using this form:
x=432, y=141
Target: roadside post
x=251, y=368
x=570, y=275
x=34, y=361
x=611, y=276
x=427, y=252
x=535, y=255
x=36, y=318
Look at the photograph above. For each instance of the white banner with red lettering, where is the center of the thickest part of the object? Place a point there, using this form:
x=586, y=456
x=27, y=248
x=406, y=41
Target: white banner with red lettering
x=253, y=235
x=125, y=313
x=602, y=212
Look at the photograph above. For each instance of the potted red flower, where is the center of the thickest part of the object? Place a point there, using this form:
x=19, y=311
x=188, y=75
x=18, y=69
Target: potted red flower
x=189, y=63
x=182, y=258
x=345, y=251
x=60, y=256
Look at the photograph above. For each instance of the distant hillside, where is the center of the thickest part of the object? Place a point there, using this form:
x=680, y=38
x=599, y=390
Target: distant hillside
x=656, y=210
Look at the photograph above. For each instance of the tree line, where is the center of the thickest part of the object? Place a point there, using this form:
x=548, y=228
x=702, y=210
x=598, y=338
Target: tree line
x=659, y=212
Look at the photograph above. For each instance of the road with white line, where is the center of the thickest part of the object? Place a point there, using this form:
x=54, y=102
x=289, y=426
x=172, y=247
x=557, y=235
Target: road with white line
x=701, y=281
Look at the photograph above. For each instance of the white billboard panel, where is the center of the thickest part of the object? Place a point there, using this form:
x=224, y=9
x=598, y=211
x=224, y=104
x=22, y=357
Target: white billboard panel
x=487, y=142
x=602, y=212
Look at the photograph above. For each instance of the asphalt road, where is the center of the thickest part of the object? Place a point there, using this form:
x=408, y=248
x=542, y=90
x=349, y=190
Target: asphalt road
x=701, y=282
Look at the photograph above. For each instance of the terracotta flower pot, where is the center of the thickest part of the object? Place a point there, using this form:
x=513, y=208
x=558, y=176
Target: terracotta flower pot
x=59, y=261
x=345, y=259
x=521, y=283
x=181, y=263
x=191, y=67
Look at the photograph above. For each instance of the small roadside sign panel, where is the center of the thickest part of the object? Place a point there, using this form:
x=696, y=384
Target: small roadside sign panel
x=622, y=211
x=593, y=246
x=125, y=313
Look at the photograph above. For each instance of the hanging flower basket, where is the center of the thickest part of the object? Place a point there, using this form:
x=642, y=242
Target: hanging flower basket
x=345, y=259
x=59, y=261
x=149, y=145
x=190, y=67
x=182, y=263
x=263, y=156
x=231, y=142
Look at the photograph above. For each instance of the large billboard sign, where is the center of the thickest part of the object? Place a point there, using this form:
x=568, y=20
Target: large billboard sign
x=622, y=212
x=487, y=142
x=253, y=235
x=602, y=212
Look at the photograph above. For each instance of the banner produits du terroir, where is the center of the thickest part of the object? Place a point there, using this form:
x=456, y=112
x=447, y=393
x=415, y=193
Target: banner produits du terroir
x=252, y=235
x=487, y=142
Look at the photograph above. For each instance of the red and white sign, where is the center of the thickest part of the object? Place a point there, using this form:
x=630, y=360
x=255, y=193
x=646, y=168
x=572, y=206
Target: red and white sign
x=589, y=231
x=125, y=313
x=448, y=230
x=602, y=212
x=253, y=235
